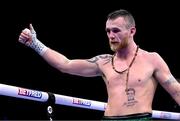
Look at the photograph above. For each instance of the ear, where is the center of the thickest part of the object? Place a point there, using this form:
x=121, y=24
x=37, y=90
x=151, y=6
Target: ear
x=133, y=31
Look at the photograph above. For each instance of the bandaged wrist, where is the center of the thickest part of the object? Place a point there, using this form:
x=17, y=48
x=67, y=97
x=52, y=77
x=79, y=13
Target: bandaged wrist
x=38, y=46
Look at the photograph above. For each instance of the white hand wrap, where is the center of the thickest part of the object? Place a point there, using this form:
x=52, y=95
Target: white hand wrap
x=35, y=44
x=38, y=46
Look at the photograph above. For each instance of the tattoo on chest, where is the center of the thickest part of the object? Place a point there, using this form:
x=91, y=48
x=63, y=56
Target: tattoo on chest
x=131, y=101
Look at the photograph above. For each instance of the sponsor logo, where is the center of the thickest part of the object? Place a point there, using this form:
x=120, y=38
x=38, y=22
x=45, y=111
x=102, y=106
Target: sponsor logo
x=165, y=115
x=29, y=93
x=81, y=102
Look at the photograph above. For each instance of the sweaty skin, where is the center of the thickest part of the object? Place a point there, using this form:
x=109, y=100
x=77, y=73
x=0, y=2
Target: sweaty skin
x=141, y=83
x=147, y=70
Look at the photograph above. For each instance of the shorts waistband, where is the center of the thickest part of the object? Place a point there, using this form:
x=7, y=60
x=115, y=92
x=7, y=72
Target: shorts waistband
x=131, y=116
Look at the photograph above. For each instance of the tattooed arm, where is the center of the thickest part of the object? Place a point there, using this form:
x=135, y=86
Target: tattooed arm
x=81, y=67
x=166, y=79
x=57, y=60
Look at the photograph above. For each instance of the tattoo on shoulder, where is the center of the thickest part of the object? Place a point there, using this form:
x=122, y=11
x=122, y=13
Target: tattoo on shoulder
x=105, y=57
x=170, y=80
x=176, y=93
x=93, y=60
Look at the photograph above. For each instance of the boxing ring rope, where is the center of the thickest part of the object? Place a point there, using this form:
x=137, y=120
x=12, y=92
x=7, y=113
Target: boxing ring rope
x=29, y=94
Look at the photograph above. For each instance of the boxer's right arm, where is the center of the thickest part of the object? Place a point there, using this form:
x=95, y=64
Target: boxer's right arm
x=28, y=37
x=57, y=60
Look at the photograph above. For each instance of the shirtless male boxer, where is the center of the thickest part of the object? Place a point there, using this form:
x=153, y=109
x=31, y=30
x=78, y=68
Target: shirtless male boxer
x=131, y=74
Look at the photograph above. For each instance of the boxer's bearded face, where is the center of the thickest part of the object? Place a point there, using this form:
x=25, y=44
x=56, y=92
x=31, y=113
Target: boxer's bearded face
x=118, y=43
x=118, y=33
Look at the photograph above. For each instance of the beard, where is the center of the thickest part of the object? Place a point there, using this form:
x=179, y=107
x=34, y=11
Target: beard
x=119, y=45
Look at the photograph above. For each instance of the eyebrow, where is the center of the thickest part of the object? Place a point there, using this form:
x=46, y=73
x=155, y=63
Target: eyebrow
x=114, y=29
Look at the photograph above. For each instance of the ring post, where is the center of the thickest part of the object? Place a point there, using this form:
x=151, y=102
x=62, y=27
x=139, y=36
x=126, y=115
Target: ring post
x=50, y=106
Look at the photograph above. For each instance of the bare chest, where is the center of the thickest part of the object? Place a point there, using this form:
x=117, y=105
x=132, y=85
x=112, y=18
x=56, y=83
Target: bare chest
x=138, y=75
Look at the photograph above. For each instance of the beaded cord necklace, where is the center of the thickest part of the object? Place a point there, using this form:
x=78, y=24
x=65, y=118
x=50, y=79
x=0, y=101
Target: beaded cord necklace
x=128, y=69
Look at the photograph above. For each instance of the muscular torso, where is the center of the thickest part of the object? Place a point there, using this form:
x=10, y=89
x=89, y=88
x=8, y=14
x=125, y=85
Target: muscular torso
x=141, y=83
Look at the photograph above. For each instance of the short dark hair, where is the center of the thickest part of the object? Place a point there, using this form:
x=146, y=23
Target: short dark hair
x=122, y=13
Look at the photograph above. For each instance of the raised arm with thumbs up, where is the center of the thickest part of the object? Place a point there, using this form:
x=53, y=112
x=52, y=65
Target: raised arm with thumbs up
x=131, y=74
x=28, y=37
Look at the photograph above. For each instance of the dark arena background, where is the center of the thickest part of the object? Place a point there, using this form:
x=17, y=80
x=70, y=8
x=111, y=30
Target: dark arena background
x=77, y=30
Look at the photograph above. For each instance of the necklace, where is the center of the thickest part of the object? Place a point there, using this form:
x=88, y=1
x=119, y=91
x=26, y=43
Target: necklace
x=128, y=69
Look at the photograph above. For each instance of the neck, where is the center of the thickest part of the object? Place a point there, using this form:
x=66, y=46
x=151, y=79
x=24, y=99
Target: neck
x=128, y=51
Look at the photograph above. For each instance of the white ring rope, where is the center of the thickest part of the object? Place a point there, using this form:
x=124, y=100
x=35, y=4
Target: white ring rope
x=41, y=96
